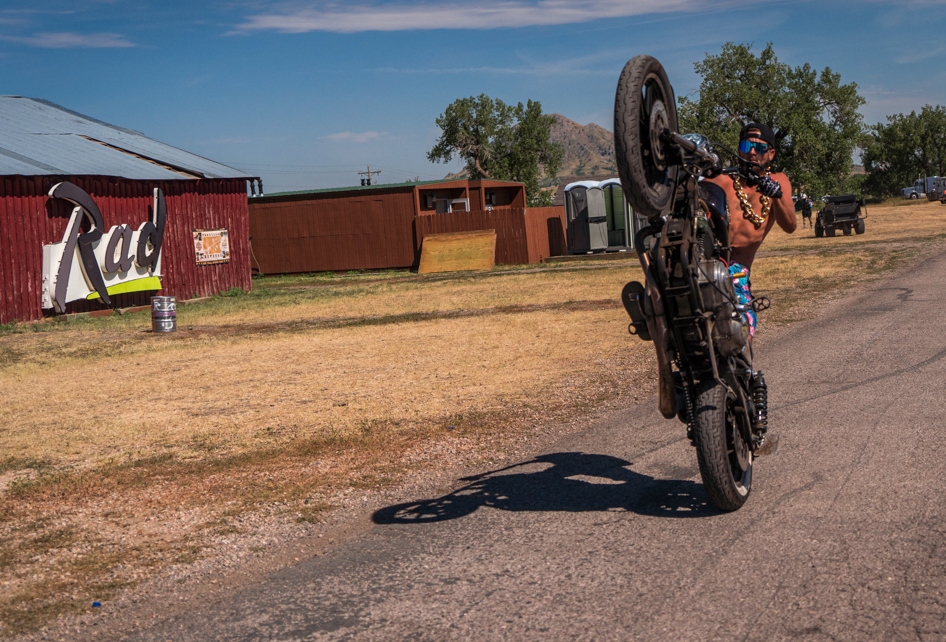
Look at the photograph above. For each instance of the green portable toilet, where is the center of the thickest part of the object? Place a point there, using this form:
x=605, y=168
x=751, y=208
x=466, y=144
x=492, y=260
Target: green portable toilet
x=620, y=228
x=586, y=218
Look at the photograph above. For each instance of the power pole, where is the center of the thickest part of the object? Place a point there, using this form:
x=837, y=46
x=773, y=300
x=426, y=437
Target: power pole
x=369, y=173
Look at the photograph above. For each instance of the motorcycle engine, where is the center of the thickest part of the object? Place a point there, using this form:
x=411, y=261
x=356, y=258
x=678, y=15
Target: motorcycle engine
x=730, y=330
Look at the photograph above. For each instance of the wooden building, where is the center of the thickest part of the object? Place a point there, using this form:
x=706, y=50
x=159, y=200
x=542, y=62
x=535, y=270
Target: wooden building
x=94, y=216
x=364, y=227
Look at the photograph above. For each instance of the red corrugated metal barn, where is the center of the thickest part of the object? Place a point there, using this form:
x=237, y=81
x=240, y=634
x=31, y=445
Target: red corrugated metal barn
x=365, y=227
x=191, y=241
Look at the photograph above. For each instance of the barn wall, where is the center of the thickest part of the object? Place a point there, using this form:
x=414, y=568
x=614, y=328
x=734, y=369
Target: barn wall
x=29, y=219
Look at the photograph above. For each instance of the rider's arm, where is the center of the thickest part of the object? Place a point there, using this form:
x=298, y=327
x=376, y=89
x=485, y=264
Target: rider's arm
x=783, y=208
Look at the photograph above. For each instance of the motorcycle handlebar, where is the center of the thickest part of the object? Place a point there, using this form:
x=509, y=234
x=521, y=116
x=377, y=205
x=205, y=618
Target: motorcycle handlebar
x=684, y=142
x=710, y=159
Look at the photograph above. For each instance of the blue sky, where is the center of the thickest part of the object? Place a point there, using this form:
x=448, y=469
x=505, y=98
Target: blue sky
x=307, y=93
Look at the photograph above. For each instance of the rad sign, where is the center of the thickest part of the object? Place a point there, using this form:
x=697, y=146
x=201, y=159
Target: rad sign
x=94, y=264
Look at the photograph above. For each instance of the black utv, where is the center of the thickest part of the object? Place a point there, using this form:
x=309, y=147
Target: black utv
x=845, y=213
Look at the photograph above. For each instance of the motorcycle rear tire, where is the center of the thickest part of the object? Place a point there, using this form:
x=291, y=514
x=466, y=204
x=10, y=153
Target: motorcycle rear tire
x=644, y=106
x=725, y=459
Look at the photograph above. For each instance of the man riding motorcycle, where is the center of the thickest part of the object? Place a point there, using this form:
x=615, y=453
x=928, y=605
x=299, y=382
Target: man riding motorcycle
x=755, y=205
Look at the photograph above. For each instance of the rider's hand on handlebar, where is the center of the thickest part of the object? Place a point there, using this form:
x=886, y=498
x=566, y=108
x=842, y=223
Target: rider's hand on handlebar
x=769, y=187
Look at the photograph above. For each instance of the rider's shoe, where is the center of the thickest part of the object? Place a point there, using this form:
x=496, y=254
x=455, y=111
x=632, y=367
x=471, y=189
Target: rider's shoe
x=769, y=445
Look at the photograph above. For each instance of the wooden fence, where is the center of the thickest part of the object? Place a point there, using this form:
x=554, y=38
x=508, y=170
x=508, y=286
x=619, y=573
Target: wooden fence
x=299, y=233
x=523, y=235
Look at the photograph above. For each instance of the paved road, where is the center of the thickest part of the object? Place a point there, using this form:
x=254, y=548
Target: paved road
x=607, y=536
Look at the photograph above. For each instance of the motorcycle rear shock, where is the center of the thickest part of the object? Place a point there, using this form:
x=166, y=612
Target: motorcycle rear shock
x=760, y=399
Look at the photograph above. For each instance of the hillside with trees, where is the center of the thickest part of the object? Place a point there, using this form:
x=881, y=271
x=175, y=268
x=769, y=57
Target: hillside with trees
x=815, y=116
x=500, y=141
x=587, y=152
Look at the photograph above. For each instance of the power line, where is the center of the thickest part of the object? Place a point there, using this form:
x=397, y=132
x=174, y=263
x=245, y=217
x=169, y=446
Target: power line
x=367, y=181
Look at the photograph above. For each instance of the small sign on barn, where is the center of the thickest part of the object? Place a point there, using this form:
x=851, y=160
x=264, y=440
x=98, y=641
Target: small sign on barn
x=211, y=246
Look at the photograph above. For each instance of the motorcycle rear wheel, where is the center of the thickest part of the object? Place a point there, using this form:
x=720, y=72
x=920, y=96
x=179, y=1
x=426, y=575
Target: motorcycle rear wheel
x=724, y=457
x=644, y=106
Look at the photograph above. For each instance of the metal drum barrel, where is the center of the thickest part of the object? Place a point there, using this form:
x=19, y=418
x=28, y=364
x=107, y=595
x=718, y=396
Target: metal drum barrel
x=163, y=314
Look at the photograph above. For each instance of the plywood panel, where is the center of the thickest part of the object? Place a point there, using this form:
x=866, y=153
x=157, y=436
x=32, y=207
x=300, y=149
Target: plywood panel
x=458, y=252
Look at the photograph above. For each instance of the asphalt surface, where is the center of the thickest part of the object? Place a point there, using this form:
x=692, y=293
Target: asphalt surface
x=608, y=536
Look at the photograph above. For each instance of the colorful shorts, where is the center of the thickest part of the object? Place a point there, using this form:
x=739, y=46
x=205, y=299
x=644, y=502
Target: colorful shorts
x=740, y=281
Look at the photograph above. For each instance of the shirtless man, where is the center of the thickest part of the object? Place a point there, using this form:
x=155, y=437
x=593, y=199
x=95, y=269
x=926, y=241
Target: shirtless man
x=754, y=207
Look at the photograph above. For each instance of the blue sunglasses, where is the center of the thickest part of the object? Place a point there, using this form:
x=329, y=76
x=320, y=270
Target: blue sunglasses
x=746, y=146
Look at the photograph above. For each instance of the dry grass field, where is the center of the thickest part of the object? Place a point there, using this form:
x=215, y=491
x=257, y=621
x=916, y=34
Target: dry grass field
x=126, y=452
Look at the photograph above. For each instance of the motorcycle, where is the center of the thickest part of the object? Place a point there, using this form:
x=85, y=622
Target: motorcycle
x=687, y=304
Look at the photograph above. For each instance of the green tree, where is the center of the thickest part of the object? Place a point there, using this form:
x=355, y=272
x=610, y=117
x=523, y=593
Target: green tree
x=815, y=119
x=501, y=142
x=907, y=147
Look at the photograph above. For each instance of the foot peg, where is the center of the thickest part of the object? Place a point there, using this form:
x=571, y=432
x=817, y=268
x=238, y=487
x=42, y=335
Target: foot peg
x=769, y=445
x=632, y=298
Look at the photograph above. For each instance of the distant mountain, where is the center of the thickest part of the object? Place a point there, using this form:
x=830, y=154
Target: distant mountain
x=589, y=152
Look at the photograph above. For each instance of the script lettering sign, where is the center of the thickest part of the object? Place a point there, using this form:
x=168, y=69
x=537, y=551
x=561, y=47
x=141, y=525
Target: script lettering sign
x=95, y=264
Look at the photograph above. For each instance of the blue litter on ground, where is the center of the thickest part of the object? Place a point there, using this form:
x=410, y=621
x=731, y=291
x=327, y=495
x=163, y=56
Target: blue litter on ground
x=96, y=604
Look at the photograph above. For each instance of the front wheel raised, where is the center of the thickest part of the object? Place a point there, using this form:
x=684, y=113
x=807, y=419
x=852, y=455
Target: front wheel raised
x=724, y=456
x=644, y=108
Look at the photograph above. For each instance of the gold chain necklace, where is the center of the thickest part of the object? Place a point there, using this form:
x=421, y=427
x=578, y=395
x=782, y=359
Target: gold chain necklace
x=747, y=211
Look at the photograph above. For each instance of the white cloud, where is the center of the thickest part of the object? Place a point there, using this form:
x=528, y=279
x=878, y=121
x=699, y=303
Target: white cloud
x=545, y=70
x=403, y=15
x=356, y=137
x=69, y=40
x=924, y=53
x=600, y=63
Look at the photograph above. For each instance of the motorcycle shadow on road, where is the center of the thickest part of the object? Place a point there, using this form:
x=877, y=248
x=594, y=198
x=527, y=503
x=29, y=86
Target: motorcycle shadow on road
x=569, y=481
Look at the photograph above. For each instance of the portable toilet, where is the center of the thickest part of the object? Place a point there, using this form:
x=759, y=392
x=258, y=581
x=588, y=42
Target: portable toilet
x=635, y=221
x=586, y=218
x=620, y=226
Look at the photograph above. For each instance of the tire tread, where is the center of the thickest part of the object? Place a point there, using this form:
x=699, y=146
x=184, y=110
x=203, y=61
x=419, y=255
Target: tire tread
x=644, y=198
x=711, y=449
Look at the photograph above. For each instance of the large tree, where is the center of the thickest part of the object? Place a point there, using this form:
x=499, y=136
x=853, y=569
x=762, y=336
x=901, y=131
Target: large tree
x=500, y=141
x=815, y=119
x=905, y=148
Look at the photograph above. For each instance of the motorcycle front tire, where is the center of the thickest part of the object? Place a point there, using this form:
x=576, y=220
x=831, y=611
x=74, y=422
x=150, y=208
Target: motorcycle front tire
x=725, y=459
x=644, y=106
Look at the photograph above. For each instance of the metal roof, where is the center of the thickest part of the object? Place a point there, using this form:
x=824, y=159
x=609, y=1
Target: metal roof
x=38, y=137
x=389, y=186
